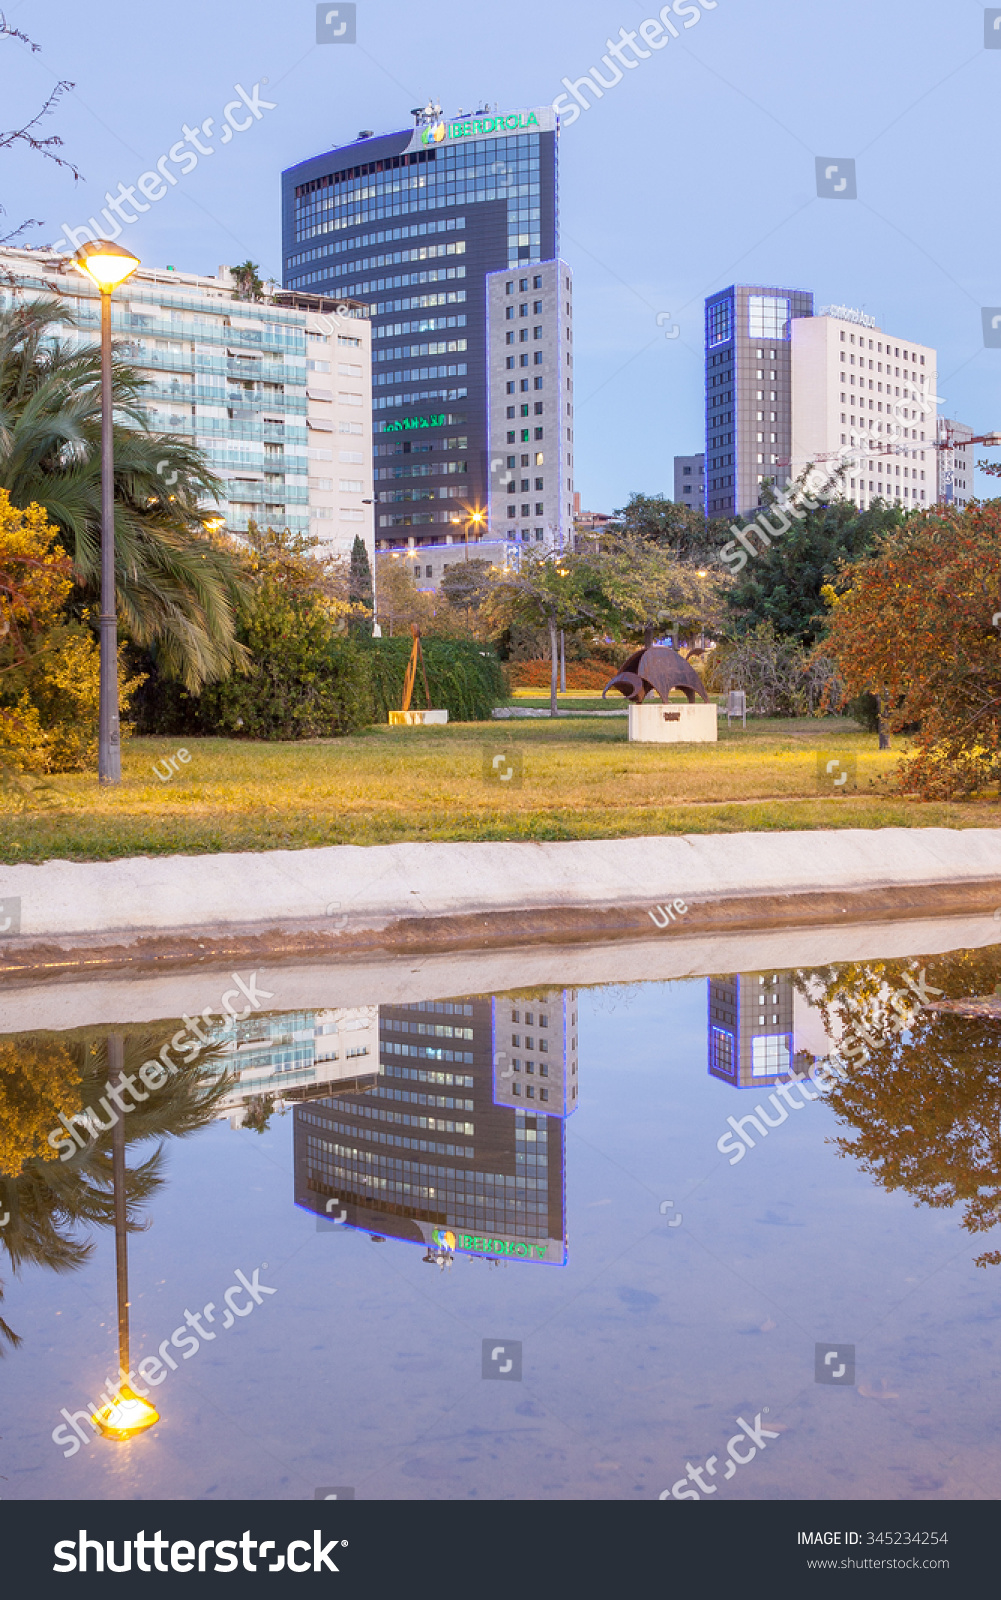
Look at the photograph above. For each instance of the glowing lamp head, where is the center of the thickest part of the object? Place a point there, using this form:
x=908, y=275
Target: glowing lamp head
x=106, y=264
x=127, y=1415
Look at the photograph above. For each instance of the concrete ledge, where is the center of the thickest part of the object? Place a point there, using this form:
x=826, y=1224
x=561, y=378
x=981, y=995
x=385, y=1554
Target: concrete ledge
x=425, y=897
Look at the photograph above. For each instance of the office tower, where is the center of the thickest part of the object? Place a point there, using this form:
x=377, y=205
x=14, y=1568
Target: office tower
x=431, y=1154
x=748, y=391
x=954, y=486
x=690, y=480
x=751, y=1030
x=858, y=389
x=425, y=226
x=232, y=376
x=529, y=396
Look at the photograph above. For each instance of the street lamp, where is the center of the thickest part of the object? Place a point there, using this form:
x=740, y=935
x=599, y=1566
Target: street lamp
x=107, y=265
x=127, y=1412
x=474, y=517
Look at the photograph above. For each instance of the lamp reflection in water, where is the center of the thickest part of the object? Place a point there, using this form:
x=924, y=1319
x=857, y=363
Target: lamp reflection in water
x=128, y=1413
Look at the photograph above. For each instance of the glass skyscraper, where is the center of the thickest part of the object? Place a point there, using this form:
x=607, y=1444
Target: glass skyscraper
x=412, y=224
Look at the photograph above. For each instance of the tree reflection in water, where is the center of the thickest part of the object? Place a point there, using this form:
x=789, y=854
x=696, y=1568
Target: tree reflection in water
x=50, y=1204
x=926, y=1103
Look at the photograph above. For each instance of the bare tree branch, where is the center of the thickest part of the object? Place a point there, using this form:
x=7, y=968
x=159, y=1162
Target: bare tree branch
x=28, y=135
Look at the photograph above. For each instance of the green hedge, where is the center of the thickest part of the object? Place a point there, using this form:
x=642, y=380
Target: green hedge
x=312, y=684
x=465, y=679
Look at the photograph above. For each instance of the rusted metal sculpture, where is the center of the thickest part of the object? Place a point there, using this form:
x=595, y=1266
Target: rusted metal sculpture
x=659, y=669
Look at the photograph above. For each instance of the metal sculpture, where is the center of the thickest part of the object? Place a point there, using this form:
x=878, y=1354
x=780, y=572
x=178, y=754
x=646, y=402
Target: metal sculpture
x=658, y=669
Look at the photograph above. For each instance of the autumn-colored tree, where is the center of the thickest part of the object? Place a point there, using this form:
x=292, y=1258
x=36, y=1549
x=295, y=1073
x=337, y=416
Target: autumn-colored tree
x=49, y=664
x=916, y=622
x=925, y=1105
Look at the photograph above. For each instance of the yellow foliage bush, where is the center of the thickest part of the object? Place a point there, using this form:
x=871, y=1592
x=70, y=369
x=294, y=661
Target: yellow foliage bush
x=37, y=1080
x=49, y=666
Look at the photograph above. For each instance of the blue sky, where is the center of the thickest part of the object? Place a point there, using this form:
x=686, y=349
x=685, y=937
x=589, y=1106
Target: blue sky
x=697, y=169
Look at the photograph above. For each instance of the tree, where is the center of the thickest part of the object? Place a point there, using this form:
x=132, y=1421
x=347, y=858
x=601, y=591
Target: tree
x=647, y=587
x=555, y=592
x=783, y=585
x=47, y=1200
x=304, y=679
x=360, y=580
x=692, y=535
x=28, y=135
x=925, y=1106
x=466, y=584
x=178, y=588
x=249, y=283
x=914, y=622
x=401, y=605
x=49, y=663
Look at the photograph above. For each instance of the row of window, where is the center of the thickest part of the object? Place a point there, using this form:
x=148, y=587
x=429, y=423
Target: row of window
x=394, y=330
x=383, y=236
x=523, y=360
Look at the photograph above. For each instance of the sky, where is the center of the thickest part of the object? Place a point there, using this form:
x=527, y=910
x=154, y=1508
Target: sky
x=695, y=171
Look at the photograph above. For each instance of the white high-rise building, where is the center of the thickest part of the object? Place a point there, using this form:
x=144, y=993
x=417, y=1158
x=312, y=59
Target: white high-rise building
x=277, y=392
x=855, y=389
x=955, y=464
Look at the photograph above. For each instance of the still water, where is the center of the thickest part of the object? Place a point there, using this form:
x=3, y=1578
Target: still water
x=602, y=1242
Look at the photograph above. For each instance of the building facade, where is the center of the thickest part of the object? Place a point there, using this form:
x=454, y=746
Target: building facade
x=954, y=486
x=690, y=480
x=414, y=224
x=251, y=384
x=748, y=378
x=433, y=1154
x=529, y=383
x=751, y=1028
x=287, y=1057
x=856, y=389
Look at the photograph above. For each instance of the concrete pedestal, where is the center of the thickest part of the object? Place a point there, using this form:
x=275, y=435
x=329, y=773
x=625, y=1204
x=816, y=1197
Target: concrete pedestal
x=673, y=723
x=416, y=719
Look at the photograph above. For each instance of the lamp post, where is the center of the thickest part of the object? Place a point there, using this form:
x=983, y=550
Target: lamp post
x=107, y=265
x=127, y=1413
x=474, y=517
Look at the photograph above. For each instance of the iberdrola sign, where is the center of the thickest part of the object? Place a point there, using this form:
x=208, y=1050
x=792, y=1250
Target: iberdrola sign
x=476, y=127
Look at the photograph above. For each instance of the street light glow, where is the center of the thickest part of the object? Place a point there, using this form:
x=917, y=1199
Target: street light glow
x=127, y=1415
x=106, y=264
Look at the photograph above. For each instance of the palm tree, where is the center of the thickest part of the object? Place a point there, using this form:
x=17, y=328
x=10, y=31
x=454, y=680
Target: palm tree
x=178, y=588
x=49, y=1200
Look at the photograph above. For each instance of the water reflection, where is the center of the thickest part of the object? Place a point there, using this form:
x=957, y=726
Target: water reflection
x=460, y=1146
x=458, y=1126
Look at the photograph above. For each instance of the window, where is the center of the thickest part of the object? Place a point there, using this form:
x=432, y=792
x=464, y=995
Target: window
x=522, y=285
x=719, y=322
x=427, y=572
x=537, y=332
x=537, y=283
x=350, y=455
x=768, y=316
x=687, y=471
x=350, y=485
x=523, y=310
x=538, y=433
x=509, y=288
x=538, y=413
x=321, y=483
x=537, y=308
x=538, y=485
x=509, y=313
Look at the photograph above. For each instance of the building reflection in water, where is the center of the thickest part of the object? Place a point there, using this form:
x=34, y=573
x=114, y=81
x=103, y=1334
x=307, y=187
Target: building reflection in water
x=459, y=1146
x=754, y=1024
x=283, y=1058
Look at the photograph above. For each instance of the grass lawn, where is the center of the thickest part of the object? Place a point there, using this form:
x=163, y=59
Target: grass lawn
x=581, y=780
